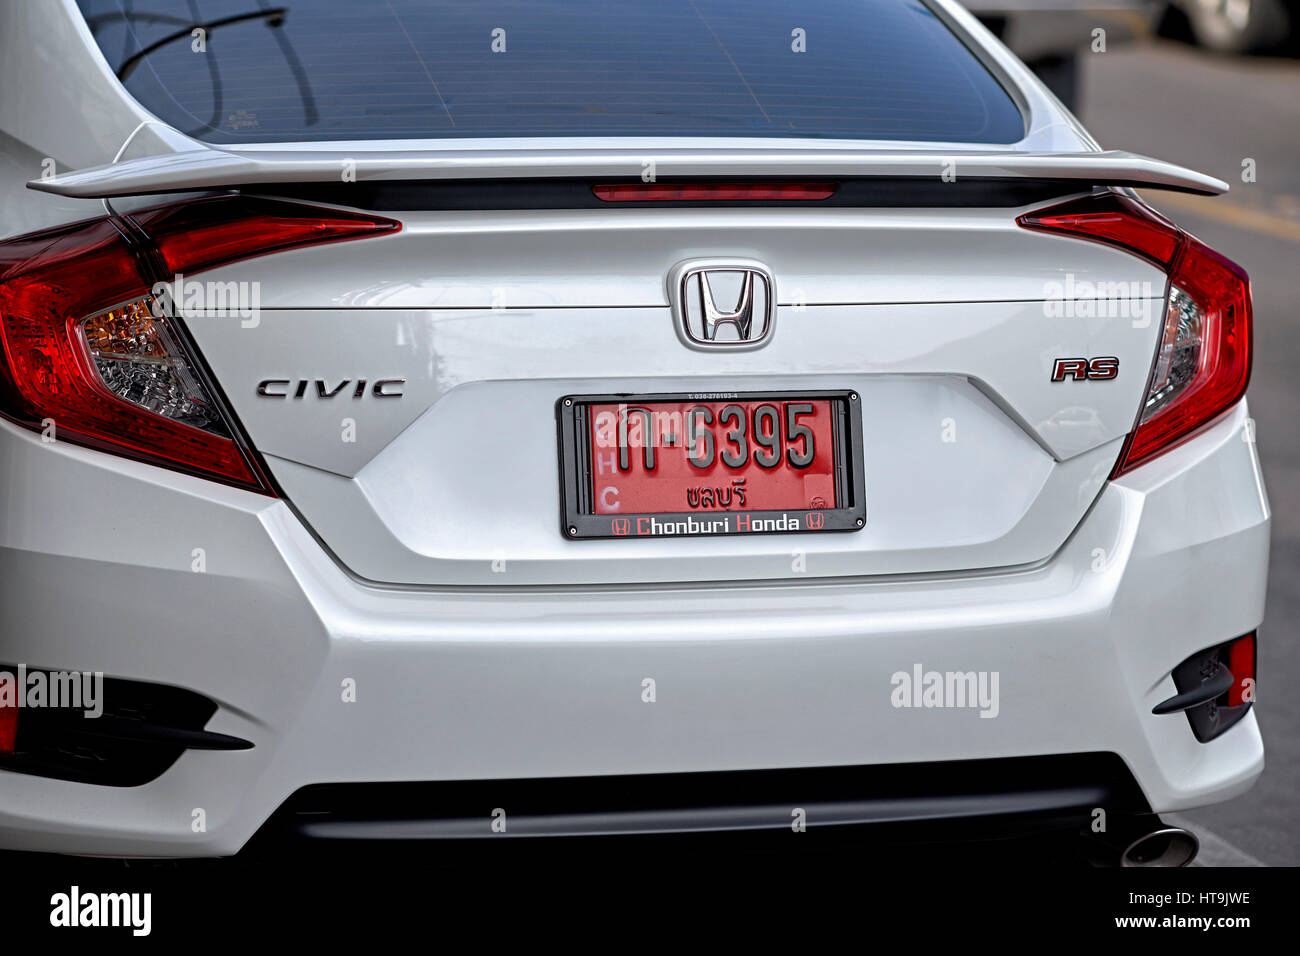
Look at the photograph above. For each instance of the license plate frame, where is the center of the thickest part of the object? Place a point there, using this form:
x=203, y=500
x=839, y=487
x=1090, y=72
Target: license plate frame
x=580, y=521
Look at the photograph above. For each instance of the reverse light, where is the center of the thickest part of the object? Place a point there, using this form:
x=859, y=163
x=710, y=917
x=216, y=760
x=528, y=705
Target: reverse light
x=90, y=355
x=1202, y=362
x=139, y=359
x=1178, y=355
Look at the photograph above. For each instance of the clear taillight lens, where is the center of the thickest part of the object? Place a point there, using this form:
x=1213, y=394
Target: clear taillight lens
x=1180, y=352
x=140, y=359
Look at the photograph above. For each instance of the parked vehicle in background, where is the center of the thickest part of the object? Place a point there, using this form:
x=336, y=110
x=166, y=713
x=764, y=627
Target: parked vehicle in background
x=1239, y=26
x=1049, y=35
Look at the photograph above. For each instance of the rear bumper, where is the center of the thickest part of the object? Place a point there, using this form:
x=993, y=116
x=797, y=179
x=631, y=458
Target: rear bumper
x=908, y=800
x=97, y=559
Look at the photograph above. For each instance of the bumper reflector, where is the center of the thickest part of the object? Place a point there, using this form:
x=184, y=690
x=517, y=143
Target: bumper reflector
x=1215, y=687
x=8, y=722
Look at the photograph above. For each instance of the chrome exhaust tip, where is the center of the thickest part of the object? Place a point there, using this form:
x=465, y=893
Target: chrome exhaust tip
x=1166, y=846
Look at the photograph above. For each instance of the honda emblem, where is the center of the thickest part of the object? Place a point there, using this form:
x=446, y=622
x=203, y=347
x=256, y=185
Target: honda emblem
x=722, y=303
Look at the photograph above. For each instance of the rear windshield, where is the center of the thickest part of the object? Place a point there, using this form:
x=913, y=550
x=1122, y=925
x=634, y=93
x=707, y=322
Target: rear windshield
x=261, y=71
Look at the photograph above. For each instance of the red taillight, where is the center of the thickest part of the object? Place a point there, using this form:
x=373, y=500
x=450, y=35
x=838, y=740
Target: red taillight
x=1113, y=219
x=713, y=192
x=1241, y=662
x=1202, y=364
x=90, y=356
x=203, y=233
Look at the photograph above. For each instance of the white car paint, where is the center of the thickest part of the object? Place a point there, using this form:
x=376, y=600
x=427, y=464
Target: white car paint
x=1007, y=550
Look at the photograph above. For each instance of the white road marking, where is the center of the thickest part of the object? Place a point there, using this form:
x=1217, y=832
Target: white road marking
x=1215, y=850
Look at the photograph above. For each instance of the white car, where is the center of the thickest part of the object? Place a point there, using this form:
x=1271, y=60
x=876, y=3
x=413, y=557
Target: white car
x=449, y=421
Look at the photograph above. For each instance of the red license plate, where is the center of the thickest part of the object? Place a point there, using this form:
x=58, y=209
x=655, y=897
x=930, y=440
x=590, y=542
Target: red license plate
x=729, y=464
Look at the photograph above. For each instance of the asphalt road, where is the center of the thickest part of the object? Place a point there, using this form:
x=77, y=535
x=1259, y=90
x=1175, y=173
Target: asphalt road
x=1211, y=113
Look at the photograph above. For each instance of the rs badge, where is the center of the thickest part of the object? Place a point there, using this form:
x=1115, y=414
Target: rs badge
x=1085, y=370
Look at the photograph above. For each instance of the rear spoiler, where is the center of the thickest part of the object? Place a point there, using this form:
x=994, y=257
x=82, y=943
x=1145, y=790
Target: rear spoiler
x=207, y=168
